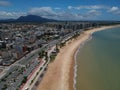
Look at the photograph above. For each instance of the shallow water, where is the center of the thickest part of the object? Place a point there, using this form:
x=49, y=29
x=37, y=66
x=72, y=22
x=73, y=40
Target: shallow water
x=99, y=62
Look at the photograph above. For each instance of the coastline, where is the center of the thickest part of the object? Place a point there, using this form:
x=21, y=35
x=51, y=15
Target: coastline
x=61, y=72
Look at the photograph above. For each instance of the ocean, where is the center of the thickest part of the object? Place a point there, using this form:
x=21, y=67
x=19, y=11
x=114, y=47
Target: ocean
x=98, y=62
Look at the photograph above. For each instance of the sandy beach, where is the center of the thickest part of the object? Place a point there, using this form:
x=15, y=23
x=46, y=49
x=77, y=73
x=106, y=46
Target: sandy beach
x=60, y=73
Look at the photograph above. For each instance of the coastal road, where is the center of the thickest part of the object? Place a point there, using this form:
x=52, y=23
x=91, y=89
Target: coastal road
x=37, y=72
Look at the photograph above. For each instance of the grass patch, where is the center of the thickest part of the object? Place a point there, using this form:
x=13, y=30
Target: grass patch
x=52, y=58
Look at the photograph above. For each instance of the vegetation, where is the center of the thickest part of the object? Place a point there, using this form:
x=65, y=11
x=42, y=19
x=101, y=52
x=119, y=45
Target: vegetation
x=41, y=68
x=62, y=44
x=46, y=56
x=17, y=89
x=34, y=78
x=52, y=57
x=31, y=82
x=24, y=79
x=57, y=49
x=3, y=79
x=41, y=53
x=5, y=87
x=76, y=35
x=21, y=70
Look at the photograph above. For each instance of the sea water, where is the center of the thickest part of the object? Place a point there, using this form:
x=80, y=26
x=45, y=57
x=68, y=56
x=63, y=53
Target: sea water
x=98, y=62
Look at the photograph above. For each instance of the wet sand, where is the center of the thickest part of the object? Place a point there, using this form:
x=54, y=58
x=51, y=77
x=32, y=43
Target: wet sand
x=60, y=73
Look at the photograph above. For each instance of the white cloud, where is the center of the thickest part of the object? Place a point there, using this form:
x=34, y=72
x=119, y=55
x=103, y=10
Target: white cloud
x=69, y=16
x=60, y=14
x=51, y=13
x=42, y=11
x=70, y=7
x=90, y=12
x=114, y=10
x=5, y=3
x=8, y=15
x=88, y=7
x=93, y=13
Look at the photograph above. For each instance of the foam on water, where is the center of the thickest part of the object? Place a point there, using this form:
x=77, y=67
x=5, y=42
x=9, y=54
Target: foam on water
x=75, y=66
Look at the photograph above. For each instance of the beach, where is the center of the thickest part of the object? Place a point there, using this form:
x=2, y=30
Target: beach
x=60, y=73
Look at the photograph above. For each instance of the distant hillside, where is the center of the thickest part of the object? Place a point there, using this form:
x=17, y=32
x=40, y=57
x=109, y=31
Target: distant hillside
x=29, y=18
x=33, y=18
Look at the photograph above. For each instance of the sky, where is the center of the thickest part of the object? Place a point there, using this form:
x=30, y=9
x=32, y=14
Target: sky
x=62, y=9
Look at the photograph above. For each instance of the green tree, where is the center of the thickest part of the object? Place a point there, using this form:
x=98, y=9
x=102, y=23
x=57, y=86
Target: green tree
x=24, y=79
x=41, y=53
x=57, y=49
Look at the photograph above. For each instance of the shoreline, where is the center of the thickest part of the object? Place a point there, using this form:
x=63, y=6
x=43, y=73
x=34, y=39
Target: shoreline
x=61, y=74
x=75, y=65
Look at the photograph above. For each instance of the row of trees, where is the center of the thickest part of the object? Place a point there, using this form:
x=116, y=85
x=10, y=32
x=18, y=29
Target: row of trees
x=43, y=53
x=73, y=37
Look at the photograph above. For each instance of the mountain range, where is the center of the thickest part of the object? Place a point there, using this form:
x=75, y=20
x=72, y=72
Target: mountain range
x=29, y=18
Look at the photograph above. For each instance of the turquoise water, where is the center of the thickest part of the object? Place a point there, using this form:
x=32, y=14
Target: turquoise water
x=99, y=62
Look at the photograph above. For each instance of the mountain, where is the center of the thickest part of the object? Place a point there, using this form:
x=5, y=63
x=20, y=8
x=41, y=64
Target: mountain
x=29, y=18
x=33, y=18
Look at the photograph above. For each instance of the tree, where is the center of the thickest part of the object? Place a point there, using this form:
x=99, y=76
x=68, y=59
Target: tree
x=24, y=79
x=46, y=55
x=5, y=87
x=57, y=49
x=41, y=54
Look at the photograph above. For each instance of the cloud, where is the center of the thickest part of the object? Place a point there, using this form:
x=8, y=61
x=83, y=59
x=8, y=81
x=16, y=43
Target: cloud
x=51, y=13
x=60, y=14
x=69, y=16
x=92, y=13
x=42, y=11
x=114, y=10
x=5, y=3
x=8, y=15
x=82, y=13
x=88, y=7
x=70, y=7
